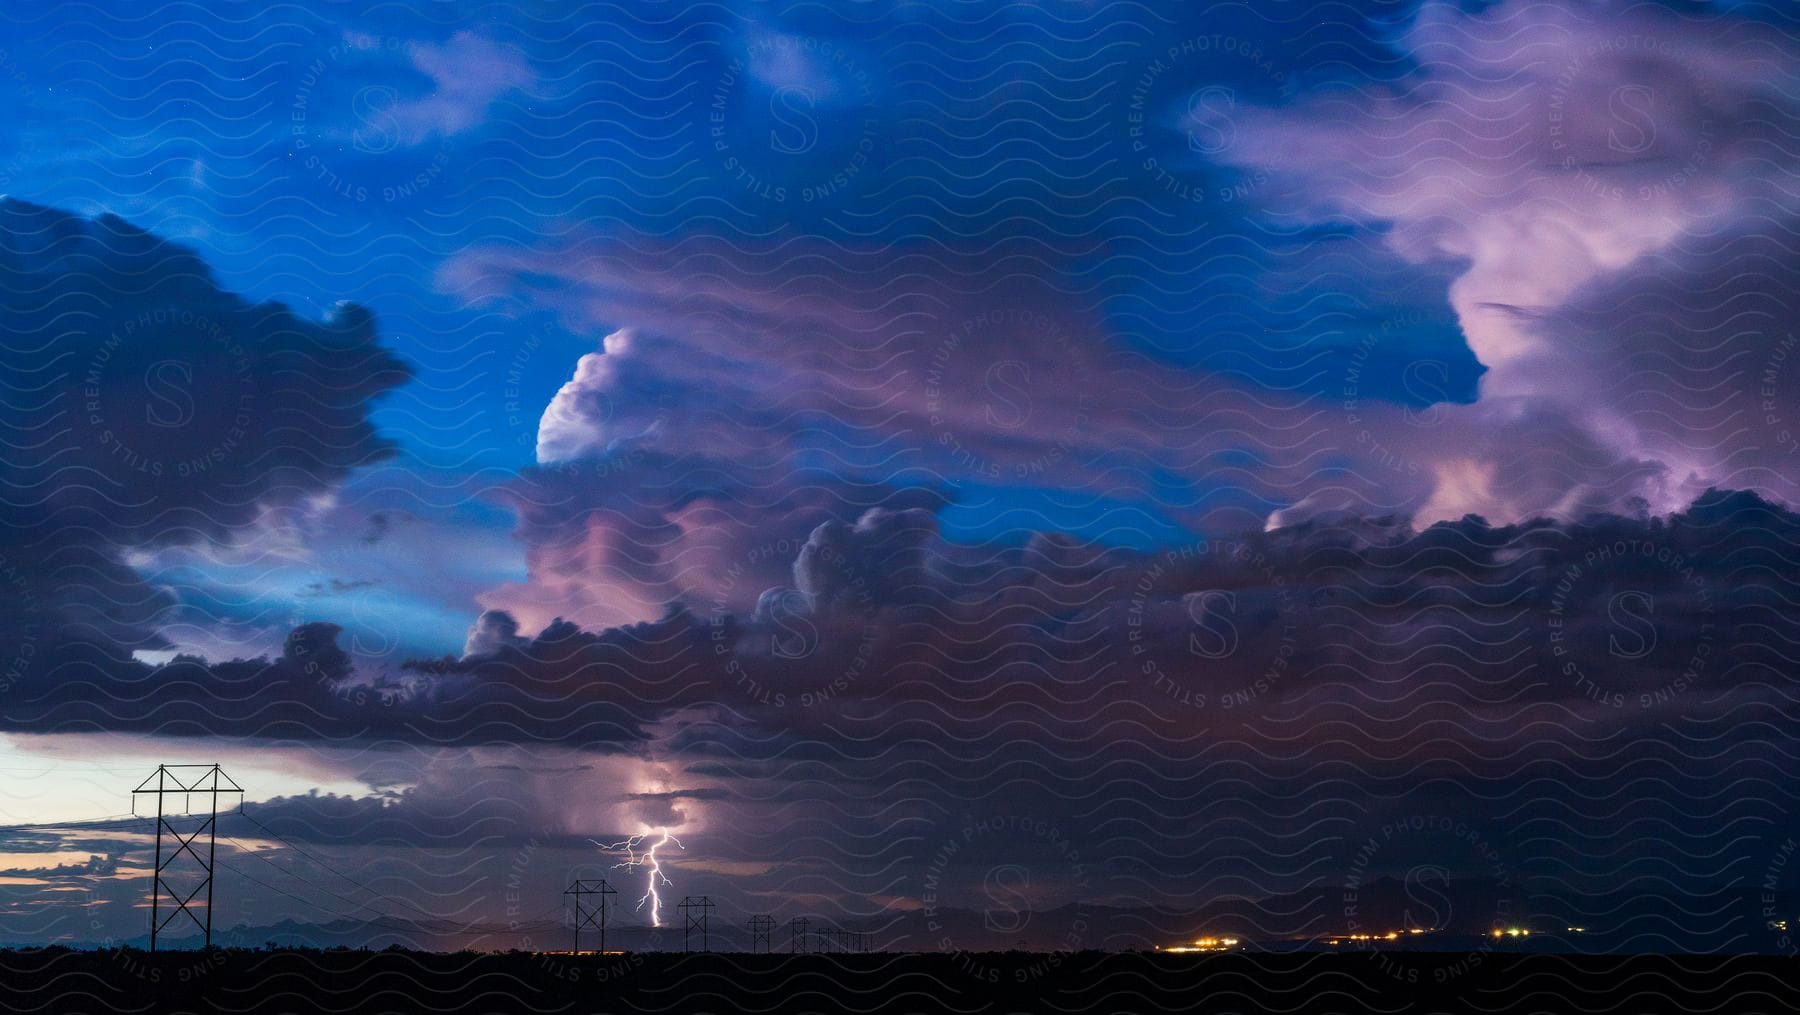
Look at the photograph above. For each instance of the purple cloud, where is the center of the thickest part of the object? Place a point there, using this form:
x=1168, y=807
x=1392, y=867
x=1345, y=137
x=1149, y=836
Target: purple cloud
x=1547, y=152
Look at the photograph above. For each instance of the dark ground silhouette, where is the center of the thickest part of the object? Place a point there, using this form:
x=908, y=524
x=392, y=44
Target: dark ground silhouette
x=341, y=980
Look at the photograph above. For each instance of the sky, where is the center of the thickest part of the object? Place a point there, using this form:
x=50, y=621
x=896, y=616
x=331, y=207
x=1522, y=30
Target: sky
x=1171, y=464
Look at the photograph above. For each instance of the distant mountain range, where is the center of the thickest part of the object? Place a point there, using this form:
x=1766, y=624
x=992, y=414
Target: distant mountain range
x=1453, y=915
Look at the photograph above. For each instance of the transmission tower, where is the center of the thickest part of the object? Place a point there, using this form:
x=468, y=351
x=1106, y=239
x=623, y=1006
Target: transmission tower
x=836, y=939
x=694, y=909
x=585, y=917
x=762, y=928
x=797, y=928
x=185, y=780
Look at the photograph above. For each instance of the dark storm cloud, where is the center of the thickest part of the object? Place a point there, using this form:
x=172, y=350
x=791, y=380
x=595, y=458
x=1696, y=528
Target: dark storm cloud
x=666, y=810
x=1185, y=716
x=886, y=630
x=164, y=406
x=148, y=407
x=565, y=686
x=475, y=805
x=1223, y=634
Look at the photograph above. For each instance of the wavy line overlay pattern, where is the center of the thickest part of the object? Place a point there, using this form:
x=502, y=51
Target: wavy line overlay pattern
x=1288, y=478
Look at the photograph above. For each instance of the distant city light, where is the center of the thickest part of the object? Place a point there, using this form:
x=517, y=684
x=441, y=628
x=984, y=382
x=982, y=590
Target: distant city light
x=1392, y=935
x=1203, y=944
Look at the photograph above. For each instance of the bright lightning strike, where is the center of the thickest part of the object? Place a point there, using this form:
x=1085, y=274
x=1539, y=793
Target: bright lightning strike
x=648, y=860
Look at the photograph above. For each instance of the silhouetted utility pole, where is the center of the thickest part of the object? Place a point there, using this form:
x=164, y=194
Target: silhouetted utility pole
x=586, y=917
x=837, y=939
x=797, y=943
x=185, y=780
x=690, y=906
x=762, y=928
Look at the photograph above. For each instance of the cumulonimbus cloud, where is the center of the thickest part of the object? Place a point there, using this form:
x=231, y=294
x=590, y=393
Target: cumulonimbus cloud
x=1551, y=153
x=147, y=408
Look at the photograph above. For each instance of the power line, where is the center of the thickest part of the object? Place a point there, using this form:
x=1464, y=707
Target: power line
x=432, y=923
x=309, y=902
x=376, y=922
x=334, y=871
x=121, y=819
x=303, y=879
x=73, y=767
x=445, y=925
x=125, y=820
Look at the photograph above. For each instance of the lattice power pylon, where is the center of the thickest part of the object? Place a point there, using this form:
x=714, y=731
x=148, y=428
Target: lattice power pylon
x=797, y=943
x=837, y=939
x=185, y=781
x=694, y=910
x=762, y=929
x=585, y=917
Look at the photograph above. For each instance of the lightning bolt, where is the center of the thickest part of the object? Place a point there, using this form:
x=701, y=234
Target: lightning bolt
x=646, y=859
